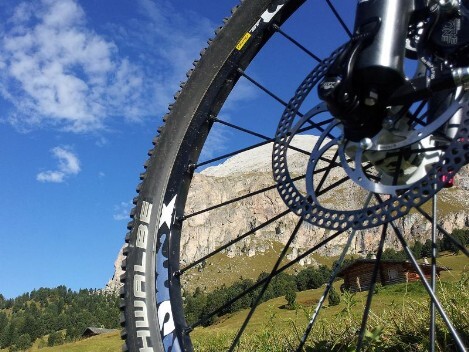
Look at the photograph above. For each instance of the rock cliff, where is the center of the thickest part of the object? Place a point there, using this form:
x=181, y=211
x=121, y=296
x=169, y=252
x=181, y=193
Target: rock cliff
x=250, y=171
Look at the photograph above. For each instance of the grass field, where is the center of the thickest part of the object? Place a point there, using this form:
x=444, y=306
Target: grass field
x=398, y=319
x=104, y=343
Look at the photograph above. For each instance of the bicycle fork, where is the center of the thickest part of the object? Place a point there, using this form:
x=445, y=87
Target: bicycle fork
x=368, y=77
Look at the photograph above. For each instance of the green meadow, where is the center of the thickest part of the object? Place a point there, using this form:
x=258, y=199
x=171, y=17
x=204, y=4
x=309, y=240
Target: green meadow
x=399, y=320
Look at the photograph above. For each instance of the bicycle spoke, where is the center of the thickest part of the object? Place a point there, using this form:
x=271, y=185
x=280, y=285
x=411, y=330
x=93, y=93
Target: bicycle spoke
x=418, y=121
x=326, y=292
x=232, y=242
x=323, y=178
x=315, y=57
x=414, y=116
x=460, y=246
x=332, y=163
x=371, y=288
x=233, y=153
x=339, y=18
x=338, y=183
x=266, y=138
x=278, y=99
x=261, y=87
x=428, y=288
x=239, y=128
x=398, y=169
x=261, y=282
x=266, y=284
x=332, y=186
x=267, y=141
x=332, y=278
x=424, y=281
x=234, y=200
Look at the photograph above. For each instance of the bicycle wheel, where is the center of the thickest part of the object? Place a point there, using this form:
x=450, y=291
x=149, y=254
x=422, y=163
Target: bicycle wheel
x=307, y=148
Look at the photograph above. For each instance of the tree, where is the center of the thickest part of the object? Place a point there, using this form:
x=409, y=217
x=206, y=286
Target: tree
x=282, y=283
x=460, y=236
x=311, y=278
x=334, y=297
x=194, y=305
x=392, y=254
x=9, y=335
x=55, y=338
x=32, y=325
x=417, y=249
x=290, y=296
x=22, y=343
x=427, y=249
x=3, y=322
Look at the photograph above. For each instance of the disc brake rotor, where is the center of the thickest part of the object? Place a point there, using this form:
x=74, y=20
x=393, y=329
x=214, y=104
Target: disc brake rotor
x=403, y=165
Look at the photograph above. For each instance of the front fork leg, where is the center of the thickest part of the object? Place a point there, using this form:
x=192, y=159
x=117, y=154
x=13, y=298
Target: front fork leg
x=380, y=66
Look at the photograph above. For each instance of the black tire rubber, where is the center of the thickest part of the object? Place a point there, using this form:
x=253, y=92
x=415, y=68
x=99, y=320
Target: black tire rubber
x=152, y=313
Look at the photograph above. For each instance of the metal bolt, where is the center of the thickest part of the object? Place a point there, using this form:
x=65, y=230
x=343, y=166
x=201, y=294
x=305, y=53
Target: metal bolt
x=366, y=143
x=372, y=98
x=388, y=123
x=461, y=77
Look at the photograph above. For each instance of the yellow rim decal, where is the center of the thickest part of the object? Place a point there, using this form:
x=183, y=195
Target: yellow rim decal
x=243, y=41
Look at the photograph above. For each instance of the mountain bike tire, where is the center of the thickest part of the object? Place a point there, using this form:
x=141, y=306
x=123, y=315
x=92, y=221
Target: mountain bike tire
x=152, y=314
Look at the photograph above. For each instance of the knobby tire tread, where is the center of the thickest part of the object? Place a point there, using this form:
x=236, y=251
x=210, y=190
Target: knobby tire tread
x=210, y=80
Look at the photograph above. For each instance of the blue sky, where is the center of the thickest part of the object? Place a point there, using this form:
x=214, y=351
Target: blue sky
x=83, y=86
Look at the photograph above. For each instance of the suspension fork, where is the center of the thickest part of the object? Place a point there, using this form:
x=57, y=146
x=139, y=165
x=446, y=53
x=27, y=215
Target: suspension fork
x=368, y=76
x=380, y=65
x=379, y=70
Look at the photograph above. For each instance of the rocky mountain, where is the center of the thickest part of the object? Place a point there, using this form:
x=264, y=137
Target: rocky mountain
x=251, y=171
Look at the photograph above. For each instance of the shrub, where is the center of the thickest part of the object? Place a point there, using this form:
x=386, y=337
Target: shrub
x=334, y=297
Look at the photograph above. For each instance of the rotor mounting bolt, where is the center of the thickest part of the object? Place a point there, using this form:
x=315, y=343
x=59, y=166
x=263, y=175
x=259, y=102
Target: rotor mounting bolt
x=388, y=123
x=366, y=143
x=372, y=98
x=461, y=77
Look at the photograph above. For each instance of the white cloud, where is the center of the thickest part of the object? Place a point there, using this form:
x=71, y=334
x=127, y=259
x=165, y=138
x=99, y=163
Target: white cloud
x=51, y=176
x=58, y=71
x=68, y=165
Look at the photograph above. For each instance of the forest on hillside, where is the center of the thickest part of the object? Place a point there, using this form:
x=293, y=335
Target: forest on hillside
x=58, y=313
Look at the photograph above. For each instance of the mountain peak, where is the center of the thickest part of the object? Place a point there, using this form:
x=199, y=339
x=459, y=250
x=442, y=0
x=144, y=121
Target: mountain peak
x=259, y=159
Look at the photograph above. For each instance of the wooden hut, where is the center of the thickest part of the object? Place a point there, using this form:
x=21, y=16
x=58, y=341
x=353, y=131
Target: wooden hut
x=357, y=275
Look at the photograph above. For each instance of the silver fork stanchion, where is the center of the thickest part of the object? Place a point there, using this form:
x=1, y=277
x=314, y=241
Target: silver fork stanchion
x=433, y=275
